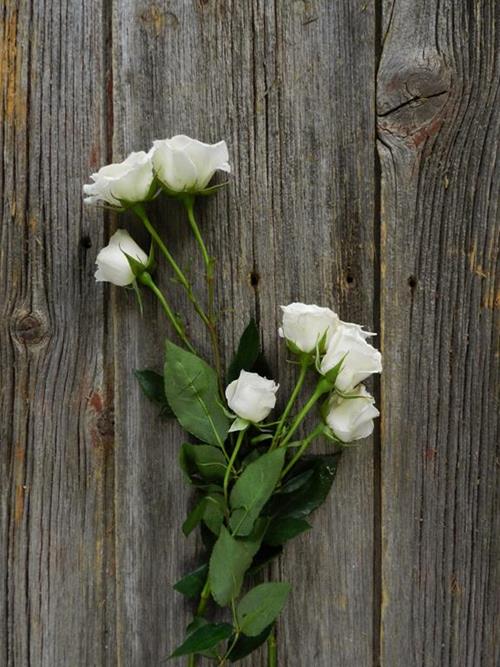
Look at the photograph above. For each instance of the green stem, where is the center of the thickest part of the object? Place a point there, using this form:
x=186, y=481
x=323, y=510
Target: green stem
x=202, y=605
x=272, y=650
x=204, y=597
x=305, y=444
x=207, y=260
x=146, y=279
x=304, y=364
x=188, y=202
x=228, y=652
x=230, y=465
x=207, y=321
x=141, y=214
x=322, y=387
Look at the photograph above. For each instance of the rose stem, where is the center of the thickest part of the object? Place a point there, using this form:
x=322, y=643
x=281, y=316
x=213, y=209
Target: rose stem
x=188, y=202
x=141, y=214
x=272, y=650
x=305, y=444
x=304, y=363
x=146, y=279
x=231, y=463
x=322, y=387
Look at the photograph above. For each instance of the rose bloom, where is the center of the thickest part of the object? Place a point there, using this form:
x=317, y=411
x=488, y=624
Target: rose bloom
x=352, y=418
x=128, y=181
x=305, y=325
x=251, y=396
x=113, y=266
x=183, y=164
x=360, y=359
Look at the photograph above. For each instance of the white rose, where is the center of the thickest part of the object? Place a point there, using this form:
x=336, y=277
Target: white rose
x=358, y=328
x=113, y=266
x=251, y=396
x=129, y=181
x=183, y=164
x=304, y=325
x=360, y=358
x=352, y=418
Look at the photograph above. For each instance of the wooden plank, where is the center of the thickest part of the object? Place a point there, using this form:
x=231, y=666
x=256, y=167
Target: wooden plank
x=173, y=74
x=56, y=453
x=290, y=87
x=438, y=129
x=315, y=242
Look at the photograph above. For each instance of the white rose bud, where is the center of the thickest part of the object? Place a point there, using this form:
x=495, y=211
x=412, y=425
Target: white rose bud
x=113, y=266
x=128, y=181
x=251, y=396
x=360, y=358
x=183, y=164
x=305, y=325
x=352, y=418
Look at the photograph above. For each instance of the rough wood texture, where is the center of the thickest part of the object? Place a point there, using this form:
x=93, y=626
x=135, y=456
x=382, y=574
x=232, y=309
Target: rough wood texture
x=56, y=475
x=402, y=567
x=438, y=87
x=276, y=81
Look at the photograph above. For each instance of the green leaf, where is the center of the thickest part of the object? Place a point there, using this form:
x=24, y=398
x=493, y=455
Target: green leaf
x=262, y=367
x=205, y=637
x=253, y=489
x=194, y=517
x=283, y=529
x=229, y=561
x=294, y=483
x=203, y=461
x=152, y=385
x=309, y=495
x=247, y=353
x=245, y=645
x=260, y=607
x=192, y=583
x=213, y=516
x=196, y=623
x=191, y=390
x=250, y=458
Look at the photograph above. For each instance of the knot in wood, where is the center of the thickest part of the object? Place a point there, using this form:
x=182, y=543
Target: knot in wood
x=106, y=423
x=412, y=96
x=29, y=329
x=155, y=19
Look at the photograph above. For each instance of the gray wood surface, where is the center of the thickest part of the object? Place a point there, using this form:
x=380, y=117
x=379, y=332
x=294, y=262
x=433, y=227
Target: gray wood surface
x=56, y=453
x=402, y=566
x=438, y=88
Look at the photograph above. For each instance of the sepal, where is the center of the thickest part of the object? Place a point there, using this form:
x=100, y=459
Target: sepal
x=137, y=267
x=239, y=424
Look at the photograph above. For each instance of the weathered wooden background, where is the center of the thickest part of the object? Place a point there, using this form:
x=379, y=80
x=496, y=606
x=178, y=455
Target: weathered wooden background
x=363, y=138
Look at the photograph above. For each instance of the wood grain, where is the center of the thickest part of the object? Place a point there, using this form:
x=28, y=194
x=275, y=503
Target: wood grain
x=56, y=520
x=438, y=87
x=276, y=81
x=402, y=566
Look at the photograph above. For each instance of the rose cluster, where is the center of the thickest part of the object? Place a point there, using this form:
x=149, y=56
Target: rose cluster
x=255, y=480
x=180, y=165
x=340, y=351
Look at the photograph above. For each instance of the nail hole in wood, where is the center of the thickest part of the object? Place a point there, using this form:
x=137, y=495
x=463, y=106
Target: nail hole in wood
x=254, y=279
x=349, y=279
x=412, y=282
x=86, y=242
